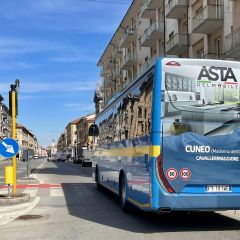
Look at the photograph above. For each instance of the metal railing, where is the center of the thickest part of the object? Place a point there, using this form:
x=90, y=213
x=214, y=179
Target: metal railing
x=173, y=3
x=232, y=41
x=147, y=65
x=127, y=34
x=211, y=12
x=212, y=56
x=129, y=57
x=177, y=39
x=155, y=26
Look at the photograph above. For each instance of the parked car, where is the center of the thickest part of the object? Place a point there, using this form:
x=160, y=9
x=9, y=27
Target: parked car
x=52, y=158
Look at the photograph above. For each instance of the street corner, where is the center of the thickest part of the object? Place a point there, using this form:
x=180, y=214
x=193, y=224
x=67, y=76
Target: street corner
x=12, y=212
x=14, y=199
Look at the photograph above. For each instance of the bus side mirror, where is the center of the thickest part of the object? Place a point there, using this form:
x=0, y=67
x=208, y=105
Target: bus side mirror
x=93, y=130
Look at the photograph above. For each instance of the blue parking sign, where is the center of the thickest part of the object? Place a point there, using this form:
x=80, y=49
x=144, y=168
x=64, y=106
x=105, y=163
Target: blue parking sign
x=9, y=147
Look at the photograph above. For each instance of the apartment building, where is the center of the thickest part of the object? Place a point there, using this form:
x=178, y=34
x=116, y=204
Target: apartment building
x=75, y=135
x=71, y=136
x=62, y=143
x=5, y=120
x=68, y=139
x=83, y=138
x=52, y=149
x=26, y=139
x=42, y=152
x=208, y=29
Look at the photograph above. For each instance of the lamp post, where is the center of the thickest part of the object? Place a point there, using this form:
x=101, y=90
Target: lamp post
x=13, y=107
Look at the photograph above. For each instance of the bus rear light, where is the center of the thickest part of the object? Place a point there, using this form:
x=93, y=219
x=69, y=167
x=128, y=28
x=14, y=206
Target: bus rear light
x=173, y=64
x=161, y=176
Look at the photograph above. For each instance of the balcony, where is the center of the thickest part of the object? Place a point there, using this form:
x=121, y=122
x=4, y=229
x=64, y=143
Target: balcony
x=154, y=3
x=129, y=60
x=103, y=73
x=147, y=65
x=110, y=63
x=117, y=53
x=117, y=74
x=146, y=12
x=128, y=37
x=108, y=82
x=212, y=56
x=177, y=45
x=154, y=32
x=208, y=20
x=175, y=9
x=232, y=45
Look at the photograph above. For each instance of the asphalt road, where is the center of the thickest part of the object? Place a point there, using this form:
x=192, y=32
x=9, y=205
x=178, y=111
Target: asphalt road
x=70, y=207
x=21, y=168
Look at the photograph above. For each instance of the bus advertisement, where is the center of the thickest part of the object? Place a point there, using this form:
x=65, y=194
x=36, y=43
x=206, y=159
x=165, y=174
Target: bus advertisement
x=171, y=140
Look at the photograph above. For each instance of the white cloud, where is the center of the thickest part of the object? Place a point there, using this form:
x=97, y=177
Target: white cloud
x=18, y=65
x=80, y=106
x=11, y=45
x=84, y=57
x=55, y=87
x=65, y=15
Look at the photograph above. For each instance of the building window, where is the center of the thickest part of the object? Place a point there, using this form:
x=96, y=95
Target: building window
x=140, y=112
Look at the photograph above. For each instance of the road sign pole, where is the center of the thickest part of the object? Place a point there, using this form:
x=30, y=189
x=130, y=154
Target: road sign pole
x=14, y=161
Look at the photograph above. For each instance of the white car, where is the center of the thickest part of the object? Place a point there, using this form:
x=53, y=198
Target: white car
x=87, y=157
x=52, y=158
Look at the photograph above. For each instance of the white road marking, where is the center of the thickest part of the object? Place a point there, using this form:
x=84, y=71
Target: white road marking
x=31, y=192
x=35, y=173
x=56, y=192
x=8, y=217
x=3, y=191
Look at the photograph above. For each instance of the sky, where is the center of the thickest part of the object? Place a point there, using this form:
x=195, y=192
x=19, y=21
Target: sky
x=53, y=47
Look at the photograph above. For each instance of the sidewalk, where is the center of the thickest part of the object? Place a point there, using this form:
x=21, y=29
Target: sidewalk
x=20, y=206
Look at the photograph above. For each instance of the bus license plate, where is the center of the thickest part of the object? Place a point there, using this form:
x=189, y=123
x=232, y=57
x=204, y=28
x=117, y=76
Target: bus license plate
x=217, y=188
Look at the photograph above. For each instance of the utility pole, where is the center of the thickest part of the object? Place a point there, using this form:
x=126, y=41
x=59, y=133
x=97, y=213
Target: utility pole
x=14, y=112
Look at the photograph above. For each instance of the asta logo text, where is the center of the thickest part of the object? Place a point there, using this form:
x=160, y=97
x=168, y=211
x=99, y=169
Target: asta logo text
x=217, y=73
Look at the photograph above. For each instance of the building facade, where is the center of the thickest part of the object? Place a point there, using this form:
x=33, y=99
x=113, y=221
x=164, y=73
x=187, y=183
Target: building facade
x=42, y=152
x=26, y=139
x=5, y=120
x=208, y=29
x=76, y=136
x=83, y=138
x=52, y=149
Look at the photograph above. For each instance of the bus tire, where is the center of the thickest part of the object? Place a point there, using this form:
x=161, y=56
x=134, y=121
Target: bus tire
x=125, y=205
x=97, y=179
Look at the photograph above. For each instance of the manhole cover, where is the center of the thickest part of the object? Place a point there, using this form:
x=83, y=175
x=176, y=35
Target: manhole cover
x=29, y=217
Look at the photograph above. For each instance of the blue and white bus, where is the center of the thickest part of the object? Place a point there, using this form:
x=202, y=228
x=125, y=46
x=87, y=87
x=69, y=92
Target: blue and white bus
x=171, y=140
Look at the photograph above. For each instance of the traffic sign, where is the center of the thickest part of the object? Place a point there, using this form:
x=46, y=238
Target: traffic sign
x=172, y=173
x=9, y=147
x=185, y=174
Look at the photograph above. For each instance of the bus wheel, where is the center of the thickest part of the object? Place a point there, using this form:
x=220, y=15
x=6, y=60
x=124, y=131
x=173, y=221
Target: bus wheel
x=126, y=207
x=97, y=179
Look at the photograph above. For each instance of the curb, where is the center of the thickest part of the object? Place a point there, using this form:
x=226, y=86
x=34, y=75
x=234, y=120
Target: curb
x=14, y=200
